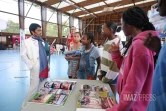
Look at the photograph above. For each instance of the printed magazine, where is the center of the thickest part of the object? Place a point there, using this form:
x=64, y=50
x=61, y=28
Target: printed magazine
x=97, y=98
x=54, y=92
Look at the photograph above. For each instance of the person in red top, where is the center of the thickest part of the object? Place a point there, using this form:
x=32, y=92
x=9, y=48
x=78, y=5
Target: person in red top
x=70, y=38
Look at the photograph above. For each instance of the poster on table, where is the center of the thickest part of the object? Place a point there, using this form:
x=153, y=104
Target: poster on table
x=158, y=21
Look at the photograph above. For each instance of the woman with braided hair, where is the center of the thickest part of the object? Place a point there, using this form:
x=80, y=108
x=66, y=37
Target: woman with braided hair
x=137, y=63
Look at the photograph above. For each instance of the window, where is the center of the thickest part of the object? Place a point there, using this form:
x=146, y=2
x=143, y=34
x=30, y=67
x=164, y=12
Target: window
x=28, y=21
x=77, y=30
x=85, y=15
x=65, y=20
x=77, y=1
x=65, y=31
x=9, y=6
x=74, y=11
x=112, y=1
x=50, y=17
x=12, y=21
x=76, y=23
x=95, y=5
x=80, y=25
x=98, y=12
x=35, y=11
x=52, y=30
x=62, y=5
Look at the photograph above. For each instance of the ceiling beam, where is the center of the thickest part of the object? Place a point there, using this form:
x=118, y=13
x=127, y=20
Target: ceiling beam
x=83, y=8
x=122, y=9
x=133, y=2
x=52, y=2
x=105, y=3
x=50, y=7
x=123, y=2
x=83, y=4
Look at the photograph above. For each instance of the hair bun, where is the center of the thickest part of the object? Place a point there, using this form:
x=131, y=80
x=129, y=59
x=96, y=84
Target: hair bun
x=148, y=25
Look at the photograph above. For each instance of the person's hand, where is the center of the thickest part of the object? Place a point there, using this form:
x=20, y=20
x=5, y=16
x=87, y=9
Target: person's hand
x=100, y=77
x=114, y=46
x=91, y=77
x=52, y=50
x=94, y=77
x=68, y=58
x=153, y=43
x=53, y=42
x=75, y=75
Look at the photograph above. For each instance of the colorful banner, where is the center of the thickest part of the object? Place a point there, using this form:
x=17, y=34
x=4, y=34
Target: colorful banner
x=158, y=21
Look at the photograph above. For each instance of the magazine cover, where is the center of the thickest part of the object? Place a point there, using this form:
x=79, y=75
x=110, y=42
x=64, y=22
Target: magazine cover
x=62, y=91
x=44, y=90
x=94, y=88
x=54, y=92
x=67, y=85
x=58, y=99
x=90, y=99
x=92, y=103
x=57, y=84
x=41, y=98
x=95, y=98
x=108, y=102
x=94, y=93
x=48, y=85
x=89, y=102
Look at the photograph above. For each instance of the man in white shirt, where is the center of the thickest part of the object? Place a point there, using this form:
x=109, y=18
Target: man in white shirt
x=33, y=53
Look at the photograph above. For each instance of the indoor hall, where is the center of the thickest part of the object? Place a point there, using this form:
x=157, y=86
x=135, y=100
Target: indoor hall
x=63, y=55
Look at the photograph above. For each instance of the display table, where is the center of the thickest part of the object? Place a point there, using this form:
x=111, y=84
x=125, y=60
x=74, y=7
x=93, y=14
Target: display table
x=71, y=103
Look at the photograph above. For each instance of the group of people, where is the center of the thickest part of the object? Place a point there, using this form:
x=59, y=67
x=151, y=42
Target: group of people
x=130, y=67
x=82, y=66
x=59, y=47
